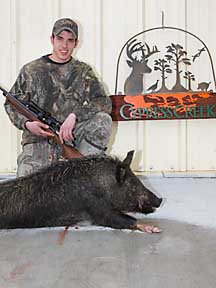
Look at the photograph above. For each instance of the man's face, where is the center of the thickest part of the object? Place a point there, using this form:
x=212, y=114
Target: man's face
x=63, y=45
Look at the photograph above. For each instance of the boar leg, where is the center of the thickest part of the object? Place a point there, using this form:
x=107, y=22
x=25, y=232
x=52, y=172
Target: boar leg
x=120, y=220
x=115, y=219
x=140, y=225
x=104, y=215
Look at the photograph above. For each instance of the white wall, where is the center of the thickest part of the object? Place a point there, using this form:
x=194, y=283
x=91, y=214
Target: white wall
x=105, y=25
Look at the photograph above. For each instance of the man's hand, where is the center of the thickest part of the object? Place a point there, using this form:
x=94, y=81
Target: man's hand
x=38, y=128
x=65, y=133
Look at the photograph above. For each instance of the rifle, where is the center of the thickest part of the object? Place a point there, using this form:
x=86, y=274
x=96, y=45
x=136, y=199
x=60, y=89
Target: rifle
x=34, y=113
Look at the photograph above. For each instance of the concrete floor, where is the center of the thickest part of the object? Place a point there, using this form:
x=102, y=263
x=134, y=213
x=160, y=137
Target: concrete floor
x=183, y=255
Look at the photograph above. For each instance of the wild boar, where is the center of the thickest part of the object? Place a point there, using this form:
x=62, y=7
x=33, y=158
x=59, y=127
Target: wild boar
x=101, y=189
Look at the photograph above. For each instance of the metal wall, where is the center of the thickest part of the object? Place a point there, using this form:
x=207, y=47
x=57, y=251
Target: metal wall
x=164, y=145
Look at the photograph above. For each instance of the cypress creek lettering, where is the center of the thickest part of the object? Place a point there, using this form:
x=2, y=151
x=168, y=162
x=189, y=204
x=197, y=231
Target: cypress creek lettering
x=128, y=112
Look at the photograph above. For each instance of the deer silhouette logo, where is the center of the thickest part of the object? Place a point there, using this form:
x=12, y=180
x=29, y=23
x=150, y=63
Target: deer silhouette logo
x=134, y=83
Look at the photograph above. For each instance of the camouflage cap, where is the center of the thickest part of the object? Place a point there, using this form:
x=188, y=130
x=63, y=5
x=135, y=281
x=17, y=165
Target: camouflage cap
x=65, y=24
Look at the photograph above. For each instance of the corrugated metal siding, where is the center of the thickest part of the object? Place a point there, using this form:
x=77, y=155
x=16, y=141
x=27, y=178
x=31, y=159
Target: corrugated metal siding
x=25, y=26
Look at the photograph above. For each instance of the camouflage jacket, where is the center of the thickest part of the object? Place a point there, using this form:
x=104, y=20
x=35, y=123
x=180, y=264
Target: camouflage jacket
x=59, y=89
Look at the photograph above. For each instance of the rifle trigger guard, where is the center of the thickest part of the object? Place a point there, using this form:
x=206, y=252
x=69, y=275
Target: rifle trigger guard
x=51, y=142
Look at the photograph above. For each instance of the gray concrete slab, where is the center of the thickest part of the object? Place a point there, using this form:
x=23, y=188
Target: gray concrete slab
x=183, y=255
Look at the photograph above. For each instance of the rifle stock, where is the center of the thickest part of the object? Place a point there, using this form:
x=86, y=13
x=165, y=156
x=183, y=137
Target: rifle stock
x=69, y=152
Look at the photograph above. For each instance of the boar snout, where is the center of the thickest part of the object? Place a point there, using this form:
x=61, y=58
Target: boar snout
x=148, y=203
x=157, y=202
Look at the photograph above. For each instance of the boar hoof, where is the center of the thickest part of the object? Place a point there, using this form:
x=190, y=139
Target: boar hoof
x=147, y=228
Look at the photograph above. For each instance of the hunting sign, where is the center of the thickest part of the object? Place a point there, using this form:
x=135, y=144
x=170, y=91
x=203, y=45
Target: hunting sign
x=176, y=89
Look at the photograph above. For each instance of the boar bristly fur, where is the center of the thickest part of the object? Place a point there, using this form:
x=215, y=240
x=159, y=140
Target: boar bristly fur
x=96, y=188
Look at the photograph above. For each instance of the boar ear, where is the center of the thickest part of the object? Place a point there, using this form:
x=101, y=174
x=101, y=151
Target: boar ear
x=127, y=161
x=124, y=166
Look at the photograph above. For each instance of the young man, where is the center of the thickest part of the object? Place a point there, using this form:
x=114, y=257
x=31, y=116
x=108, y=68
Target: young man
x=70, y=91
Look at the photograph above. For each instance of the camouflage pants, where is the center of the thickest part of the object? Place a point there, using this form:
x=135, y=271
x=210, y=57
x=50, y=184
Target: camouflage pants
x=91, y=137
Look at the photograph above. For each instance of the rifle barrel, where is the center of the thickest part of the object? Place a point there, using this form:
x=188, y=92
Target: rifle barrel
x=34, y=113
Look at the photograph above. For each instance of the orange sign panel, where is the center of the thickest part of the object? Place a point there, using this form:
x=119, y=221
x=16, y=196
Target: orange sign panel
x=164, y=106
